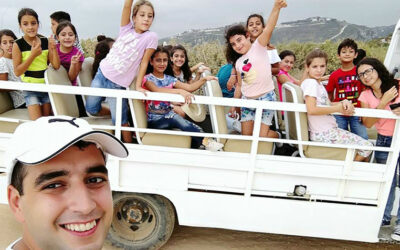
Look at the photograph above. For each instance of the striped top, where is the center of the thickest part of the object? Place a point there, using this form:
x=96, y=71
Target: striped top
x=35, y=72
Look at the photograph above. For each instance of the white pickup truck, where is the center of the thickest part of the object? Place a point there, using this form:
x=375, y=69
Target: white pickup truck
x=320, y=193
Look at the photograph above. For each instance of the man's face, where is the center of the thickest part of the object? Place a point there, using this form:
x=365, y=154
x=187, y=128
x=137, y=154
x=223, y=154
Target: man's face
x=67, y=202
x=54, y=25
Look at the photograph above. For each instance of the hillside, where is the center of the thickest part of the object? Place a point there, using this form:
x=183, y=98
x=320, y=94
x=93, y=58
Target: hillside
x=314, y=29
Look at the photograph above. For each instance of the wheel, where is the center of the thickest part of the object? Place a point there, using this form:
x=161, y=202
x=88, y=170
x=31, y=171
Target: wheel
x=141, y=221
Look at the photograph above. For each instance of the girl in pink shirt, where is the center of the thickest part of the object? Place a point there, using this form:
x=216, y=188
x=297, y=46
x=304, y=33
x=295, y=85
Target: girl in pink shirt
x=288, y=59
x=253, y=71
x=382, y=91
x=322, y=125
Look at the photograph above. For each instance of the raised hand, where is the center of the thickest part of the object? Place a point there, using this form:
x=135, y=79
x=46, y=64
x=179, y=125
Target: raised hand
x=36, y=49
x=280, y=4
x=52, y=42
x=389, y=95
x=75, y=59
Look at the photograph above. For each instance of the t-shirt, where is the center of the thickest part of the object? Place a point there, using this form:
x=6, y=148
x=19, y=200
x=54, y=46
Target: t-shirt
x=384, y=126
x=255, y=70
x=35, y=71
x=318, y=123
x=282, y=72
x=65, y=59
x=122, y=62
x=273, y=56
x=159, y=107
x=7, y=67
x=346, y=86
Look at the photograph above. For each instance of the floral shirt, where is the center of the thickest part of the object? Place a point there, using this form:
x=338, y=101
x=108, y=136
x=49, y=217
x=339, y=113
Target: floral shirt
x=159, y=107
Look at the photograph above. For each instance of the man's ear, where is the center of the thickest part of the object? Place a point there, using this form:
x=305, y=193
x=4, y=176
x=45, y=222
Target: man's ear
x=14, y=201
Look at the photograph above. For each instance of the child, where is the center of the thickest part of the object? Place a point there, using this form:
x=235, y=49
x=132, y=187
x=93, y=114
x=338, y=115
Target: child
x=58, y=17
x=343, y=83
x=101, y=50
x=160, y=114
x=70, y=57
x=253, y=71
x=127, y=59
x=381, y=91
x=321, y=124
x=181, y=70
x=255, y=26
x=288, y=59
x=30, y=56
x=7, y=38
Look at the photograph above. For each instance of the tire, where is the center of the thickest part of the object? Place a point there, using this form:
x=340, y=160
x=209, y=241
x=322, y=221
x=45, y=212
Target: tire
x=141, y=221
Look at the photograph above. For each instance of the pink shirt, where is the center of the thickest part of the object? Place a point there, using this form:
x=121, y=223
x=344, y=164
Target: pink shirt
x=65, y=59
x=282, y=72
x=318, y=123
x=122, y=62
x=384, y=126
x=255, y=70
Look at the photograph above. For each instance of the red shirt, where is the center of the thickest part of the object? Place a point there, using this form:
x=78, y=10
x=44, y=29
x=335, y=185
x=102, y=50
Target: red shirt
x=346, y=86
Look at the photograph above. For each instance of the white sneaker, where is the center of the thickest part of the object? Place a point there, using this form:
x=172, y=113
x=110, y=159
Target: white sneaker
x=396, y=233
x=212, y=145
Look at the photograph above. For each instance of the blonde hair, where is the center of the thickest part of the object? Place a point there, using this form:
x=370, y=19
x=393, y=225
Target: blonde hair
x=139, y=3
x=316, y=53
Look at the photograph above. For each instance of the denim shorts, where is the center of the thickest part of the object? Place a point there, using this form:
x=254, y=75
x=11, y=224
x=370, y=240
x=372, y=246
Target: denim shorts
x=249, y=114
x=93, y=103
x=34, y=98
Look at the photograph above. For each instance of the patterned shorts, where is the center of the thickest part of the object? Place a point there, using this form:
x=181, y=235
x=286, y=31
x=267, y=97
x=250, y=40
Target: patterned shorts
x=249, y=114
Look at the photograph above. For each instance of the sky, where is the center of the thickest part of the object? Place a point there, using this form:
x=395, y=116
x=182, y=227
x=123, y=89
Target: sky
x=94, y=17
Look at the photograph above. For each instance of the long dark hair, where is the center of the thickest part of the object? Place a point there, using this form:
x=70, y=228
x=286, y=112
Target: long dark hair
x=27, y=12
x=160, y=49
x=387, y=79
x=100, y=52
x=7, y=32
x=230, y=53
x=187, y=73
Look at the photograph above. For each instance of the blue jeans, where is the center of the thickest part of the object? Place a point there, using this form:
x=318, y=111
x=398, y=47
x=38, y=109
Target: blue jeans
x=356, y=127
x=93, y=103
x=34, y=98
x=172, y=120
x=380, y=157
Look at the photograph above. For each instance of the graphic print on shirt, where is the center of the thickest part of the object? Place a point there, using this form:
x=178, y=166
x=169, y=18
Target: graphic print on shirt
x=348, y=88
x=249, y=74
x=127, y=51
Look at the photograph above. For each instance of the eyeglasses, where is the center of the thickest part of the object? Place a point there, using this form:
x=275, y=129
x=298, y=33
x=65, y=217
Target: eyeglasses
x=366, y=72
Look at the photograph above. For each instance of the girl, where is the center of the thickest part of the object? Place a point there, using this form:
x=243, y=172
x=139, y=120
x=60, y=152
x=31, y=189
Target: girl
x=288, y=59
x=253, y=71
x=181, y=70
x=382, y=90
x=160, y=113
x=321, y=124
x=127, y=59
x=7, y=38
x=101, y=50
x=255, y=26
x=30, y=56
x=71, y=58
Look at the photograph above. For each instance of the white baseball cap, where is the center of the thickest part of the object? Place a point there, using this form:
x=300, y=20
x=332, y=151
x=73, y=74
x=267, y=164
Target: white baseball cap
x=38, y=141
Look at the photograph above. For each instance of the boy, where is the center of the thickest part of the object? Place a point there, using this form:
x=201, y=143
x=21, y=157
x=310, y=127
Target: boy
x=58, y=183
x=344, y=85
x=56, y=18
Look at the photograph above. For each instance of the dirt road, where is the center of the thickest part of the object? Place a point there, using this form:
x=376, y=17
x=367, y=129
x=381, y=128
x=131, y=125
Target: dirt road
x=212, y=239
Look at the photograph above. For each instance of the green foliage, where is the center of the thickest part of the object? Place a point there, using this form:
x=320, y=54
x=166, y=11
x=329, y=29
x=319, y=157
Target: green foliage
x=213, y=53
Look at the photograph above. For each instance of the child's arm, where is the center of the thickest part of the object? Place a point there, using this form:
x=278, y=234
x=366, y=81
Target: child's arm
x=386, y=99
x=126, y=13
x=53, y=54
x=340, y=107
x=76, y=66
x=194, y=85
x=19, y=66
x=142, y=69
x=265, y=36
x=236, y=94
x=284, y=78
x=153, y=88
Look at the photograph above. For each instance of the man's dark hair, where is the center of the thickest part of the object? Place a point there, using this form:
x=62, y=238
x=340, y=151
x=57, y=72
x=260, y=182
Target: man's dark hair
x=59, y=16
x=347, y=43
x=19, y=171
